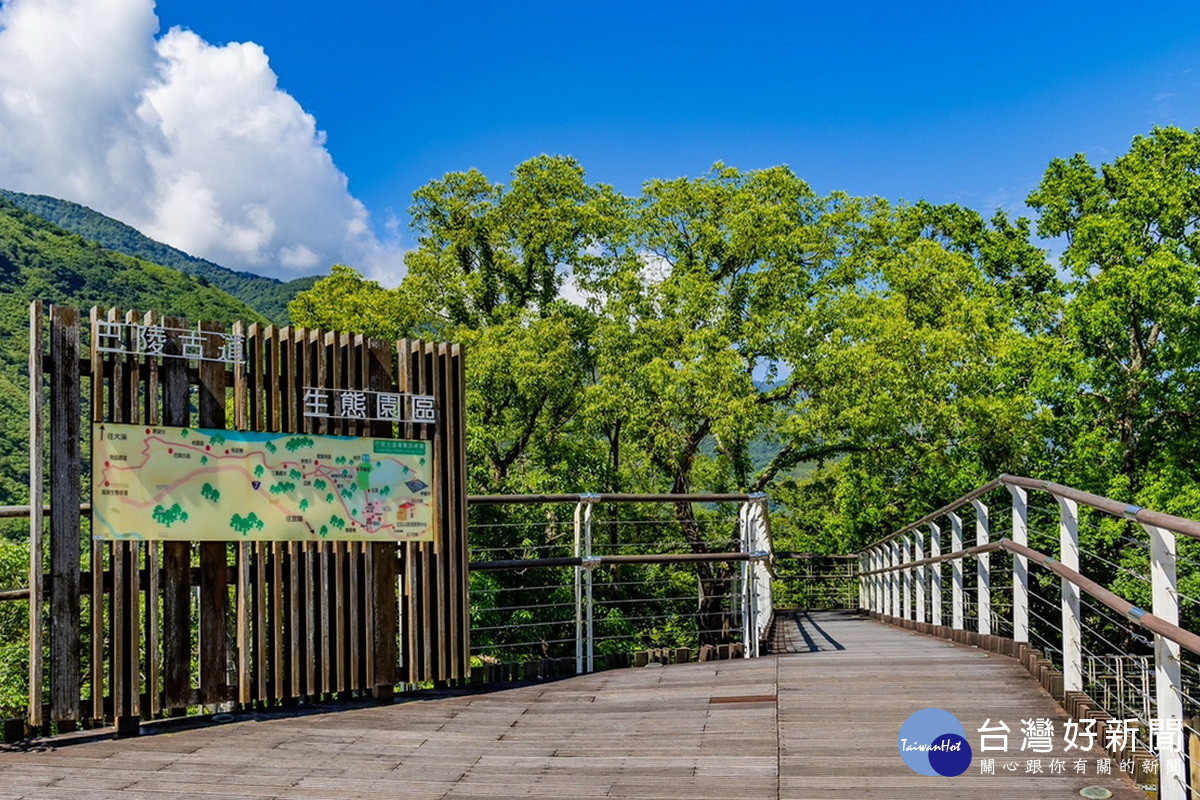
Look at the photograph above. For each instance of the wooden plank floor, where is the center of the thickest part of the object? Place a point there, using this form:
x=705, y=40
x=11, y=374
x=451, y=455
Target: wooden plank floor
x=818, y=723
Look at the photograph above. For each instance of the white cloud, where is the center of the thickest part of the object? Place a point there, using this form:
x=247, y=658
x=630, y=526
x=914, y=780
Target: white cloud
x=193, y=144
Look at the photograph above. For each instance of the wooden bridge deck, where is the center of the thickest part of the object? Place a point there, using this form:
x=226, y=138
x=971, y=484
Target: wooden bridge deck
x=821, y=722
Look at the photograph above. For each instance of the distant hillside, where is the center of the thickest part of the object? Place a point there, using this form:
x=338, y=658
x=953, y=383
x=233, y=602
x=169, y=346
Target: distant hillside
x=267, y=295
x=39, y=260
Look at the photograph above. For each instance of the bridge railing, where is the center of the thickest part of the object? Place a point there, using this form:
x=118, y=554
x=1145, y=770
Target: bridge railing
x=1105, y=620
x=592, y=578
x=816, y=581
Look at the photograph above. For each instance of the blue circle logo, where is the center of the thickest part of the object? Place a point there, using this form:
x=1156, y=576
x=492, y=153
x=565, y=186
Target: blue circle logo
x=933, y=742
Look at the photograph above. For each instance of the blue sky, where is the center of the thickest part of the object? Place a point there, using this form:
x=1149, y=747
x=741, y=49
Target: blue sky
x=282, y=137
x=954, y=102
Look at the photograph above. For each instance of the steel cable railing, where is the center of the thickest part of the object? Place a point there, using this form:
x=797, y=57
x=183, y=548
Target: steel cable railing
x=628, y=576
x=1106, y=620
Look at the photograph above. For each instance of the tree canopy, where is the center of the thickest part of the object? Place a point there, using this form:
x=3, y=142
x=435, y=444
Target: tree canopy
x=861, y=360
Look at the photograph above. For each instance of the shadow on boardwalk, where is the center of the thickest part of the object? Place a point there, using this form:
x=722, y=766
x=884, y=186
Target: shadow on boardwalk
x=818, y=723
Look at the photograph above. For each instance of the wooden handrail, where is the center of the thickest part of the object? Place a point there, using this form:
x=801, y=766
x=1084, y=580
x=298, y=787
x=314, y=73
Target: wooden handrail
x=1138, y=616
x=1188, y=527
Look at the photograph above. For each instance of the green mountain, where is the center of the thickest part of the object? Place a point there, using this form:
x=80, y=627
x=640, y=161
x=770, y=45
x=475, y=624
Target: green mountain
x=268, y=295
x=39, y=260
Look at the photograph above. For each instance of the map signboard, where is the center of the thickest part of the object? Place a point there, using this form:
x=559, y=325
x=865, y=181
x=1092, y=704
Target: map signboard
x=203, y=484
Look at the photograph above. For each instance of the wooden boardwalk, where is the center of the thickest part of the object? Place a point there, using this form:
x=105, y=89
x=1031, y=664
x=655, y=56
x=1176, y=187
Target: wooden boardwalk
x=820, y=722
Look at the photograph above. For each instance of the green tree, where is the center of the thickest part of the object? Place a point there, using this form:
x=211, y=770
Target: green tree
x=1125, y=388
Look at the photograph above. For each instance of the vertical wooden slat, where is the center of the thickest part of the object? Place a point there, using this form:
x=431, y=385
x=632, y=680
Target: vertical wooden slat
x=299, y=375
x=331, y=374
x=451, y=489
x=362, y=620
x=214, y=587
x=280, y=562
x=64, y=514
x=263, y=657
x=342, y=375
x=429, y=576
x=177, y=556
x=37, y=326
x=320, y=552
x=409, y=619
x=455, y=415
x=96, y=600
x=117, y=611
x=245, y=550
x=153, y=416
x=437, y=591
x=129, y=618
x=381, y=556
x=283, y=387
x=444, y=534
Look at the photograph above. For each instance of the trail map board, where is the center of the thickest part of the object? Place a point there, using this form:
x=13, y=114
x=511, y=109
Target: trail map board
x=201, y=484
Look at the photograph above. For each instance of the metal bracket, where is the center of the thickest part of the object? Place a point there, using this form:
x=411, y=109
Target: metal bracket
x=1131, y=511
x=590, y=562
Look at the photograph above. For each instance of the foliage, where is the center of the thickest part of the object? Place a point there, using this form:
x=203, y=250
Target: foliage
x=267, y=296
x=14, y=629
x=41, y=261
x=861, y=361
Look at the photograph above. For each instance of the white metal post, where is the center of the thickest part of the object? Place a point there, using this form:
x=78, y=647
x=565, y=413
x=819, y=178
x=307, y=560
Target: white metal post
x=761, y=598
x=746, y=603
x=935, y=550
x=871, y=596
x=589, y=566
x=881, y=585
x=862, y=581
x=919, y=555
x=1020, y=590
x=956, y=591
x=1167, y=683
x=744, y=573
x=579, y=586
x=876, y=582
x=906, y=577
x=983, y=583
x=894, y=577
x=880, y=600
x=1068, y=535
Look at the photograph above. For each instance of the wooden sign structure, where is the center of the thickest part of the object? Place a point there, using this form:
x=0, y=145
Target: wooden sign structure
x=305, y=619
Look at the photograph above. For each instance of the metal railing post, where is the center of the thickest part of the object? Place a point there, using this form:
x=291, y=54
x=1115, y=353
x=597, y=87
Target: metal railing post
x=935, y=550
x=906, y=577
x=589, y=566
x=870, y=581
x=862, y=581
x=919, y=555
x=745, y=602
x=761, y=599
x=579, y=507
x=1072, y=644
x=894, y=577
x=956, y=591
x=881, y=600
x=1020, y=576
x=983, y=583
x=1168, y=687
